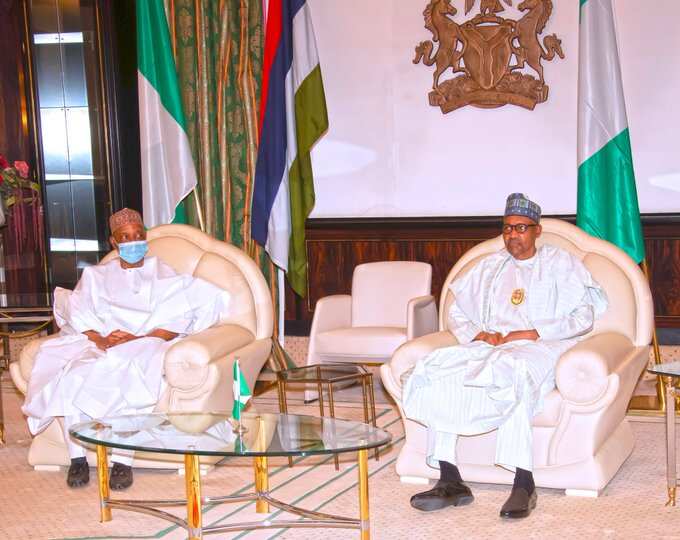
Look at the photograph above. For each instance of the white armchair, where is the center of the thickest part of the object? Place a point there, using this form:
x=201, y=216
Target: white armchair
x=390, y=304
x=198, y=368
x=581, y=438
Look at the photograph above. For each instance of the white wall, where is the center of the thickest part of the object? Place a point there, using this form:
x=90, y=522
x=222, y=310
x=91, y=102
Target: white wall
x=389, y=153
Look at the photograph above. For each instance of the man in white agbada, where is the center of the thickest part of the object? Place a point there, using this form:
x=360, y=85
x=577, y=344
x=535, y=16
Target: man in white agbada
x=514, y=314
x=115, y=328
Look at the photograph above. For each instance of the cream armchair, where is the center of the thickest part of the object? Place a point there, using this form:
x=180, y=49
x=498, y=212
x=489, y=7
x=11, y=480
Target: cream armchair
x=390, y=304
x=198, y=368
x=581, y=437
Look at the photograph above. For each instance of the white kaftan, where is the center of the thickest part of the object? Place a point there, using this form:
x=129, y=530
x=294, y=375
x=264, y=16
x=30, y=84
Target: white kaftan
x=72, y=378
x=473, y=387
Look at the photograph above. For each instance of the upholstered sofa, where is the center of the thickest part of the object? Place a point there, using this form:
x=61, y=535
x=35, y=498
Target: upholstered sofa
x=581, y=438
x=198, y=368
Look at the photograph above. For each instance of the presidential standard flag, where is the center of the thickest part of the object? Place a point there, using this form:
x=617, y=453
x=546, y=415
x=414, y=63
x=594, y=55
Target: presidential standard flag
x=292, y=118
x=168, y=173
x=607, y=197
x=241, y=391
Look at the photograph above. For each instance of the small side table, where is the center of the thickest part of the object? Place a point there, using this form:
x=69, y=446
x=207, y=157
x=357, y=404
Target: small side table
x=669, y=371
x=329, y=375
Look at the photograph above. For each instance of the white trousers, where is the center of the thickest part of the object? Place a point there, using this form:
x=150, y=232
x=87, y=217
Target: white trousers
x=514, y=446
x=76, y=448
x=473, y=389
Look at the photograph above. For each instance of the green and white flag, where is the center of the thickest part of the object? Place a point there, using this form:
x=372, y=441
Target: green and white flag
x=168, y=172
x=607, y=204
x=241, y=391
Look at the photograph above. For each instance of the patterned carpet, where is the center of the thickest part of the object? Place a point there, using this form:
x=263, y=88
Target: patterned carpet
x=39, y=505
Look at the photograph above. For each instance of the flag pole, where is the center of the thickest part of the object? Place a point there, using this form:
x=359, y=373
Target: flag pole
x=199, y=210
x=661, y=394
x=238, y=396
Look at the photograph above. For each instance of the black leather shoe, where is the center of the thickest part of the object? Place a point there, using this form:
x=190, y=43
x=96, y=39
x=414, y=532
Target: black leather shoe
x=120, y=477
x=443, y=494
x=520, y=503
x=78, y=474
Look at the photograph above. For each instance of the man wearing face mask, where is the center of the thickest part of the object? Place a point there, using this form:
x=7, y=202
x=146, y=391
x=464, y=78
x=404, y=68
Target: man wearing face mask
x=115, y=327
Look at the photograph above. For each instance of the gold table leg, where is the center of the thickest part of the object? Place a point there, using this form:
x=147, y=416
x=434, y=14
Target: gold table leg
x=103, y=480
x=192, y=474
x=261, y=484
x=363, y=495
x=671, y=472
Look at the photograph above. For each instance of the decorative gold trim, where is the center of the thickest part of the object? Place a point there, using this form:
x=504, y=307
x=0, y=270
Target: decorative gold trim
x=29, y=90
x=104, y=112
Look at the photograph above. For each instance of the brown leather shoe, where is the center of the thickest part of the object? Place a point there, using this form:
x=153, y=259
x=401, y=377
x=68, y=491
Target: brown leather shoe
x=519, y=504
x=78, y=474
x=443, y=494
x=120, y=477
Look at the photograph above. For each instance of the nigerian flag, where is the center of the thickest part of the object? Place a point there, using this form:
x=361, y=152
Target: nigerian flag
x=168, y=173
x=241, y=391
x=607, y=204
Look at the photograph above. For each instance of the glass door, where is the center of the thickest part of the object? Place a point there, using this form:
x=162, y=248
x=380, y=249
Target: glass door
x=71, y=134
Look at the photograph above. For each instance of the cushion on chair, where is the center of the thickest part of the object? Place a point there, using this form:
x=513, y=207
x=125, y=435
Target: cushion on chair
x=381, y=291
x=182, y=255
x=621, y=315
x=364, y=341
x=226, y=275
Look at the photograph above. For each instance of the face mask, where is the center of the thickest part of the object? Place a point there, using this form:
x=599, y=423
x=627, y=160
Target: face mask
x=133, y=252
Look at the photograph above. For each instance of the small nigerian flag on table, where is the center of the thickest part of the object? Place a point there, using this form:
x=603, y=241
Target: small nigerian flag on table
x=241, y=391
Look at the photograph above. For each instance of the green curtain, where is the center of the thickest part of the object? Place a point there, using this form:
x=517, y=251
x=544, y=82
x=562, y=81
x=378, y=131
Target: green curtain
x=218, y=47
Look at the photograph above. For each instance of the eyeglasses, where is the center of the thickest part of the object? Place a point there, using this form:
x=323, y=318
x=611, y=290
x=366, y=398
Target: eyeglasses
x=521, y=228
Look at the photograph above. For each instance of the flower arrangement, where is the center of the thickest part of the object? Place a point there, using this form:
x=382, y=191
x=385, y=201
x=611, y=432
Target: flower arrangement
x=15, y=184
x=21, y=207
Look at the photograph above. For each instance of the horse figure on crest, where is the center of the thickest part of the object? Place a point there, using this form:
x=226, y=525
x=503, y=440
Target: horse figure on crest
x=527, y=30
x=447, y=33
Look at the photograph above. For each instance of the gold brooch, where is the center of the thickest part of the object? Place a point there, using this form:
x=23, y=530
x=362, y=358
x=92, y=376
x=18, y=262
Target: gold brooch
x=517, y=297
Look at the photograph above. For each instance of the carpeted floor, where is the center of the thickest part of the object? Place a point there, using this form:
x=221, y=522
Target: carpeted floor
x=39, y=505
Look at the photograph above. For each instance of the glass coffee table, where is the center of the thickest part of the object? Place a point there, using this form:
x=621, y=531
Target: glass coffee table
x=328, y=375
x=670, y=372
x=213, y=434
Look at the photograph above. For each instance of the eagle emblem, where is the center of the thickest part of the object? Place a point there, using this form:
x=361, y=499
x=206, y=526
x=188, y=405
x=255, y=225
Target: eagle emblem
x=498, y=60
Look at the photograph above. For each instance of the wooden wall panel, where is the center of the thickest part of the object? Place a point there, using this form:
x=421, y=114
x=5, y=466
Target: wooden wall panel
x=662, y=245
x=336, y=246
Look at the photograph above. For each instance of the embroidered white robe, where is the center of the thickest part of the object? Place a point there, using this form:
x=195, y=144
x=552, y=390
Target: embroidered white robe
x=72, y=378
x=473, y=387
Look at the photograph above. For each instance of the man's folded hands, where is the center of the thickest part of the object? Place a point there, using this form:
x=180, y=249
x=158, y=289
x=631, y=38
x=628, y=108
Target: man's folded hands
x=496, y=338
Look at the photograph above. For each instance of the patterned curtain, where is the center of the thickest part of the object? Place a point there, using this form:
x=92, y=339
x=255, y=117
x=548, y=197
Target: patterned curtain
x=218, y=48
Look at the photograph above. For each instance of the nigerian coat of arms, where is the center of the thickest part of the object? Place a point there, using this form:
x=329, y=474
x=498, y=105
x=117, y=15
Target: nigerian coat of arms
x=491, y=54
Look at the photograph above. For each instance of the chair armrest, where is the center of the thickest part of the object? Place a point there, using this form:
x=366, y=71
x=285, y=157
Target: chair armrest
x=204, y=347
x=20, y=371
x=332, y=312
x=406, y=356
x=421, y=317
x=582, y=372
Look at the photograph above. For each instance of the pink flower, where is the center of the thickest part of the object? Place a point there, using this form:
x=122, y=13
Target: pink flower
x=22, y=167
x=3, y=162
